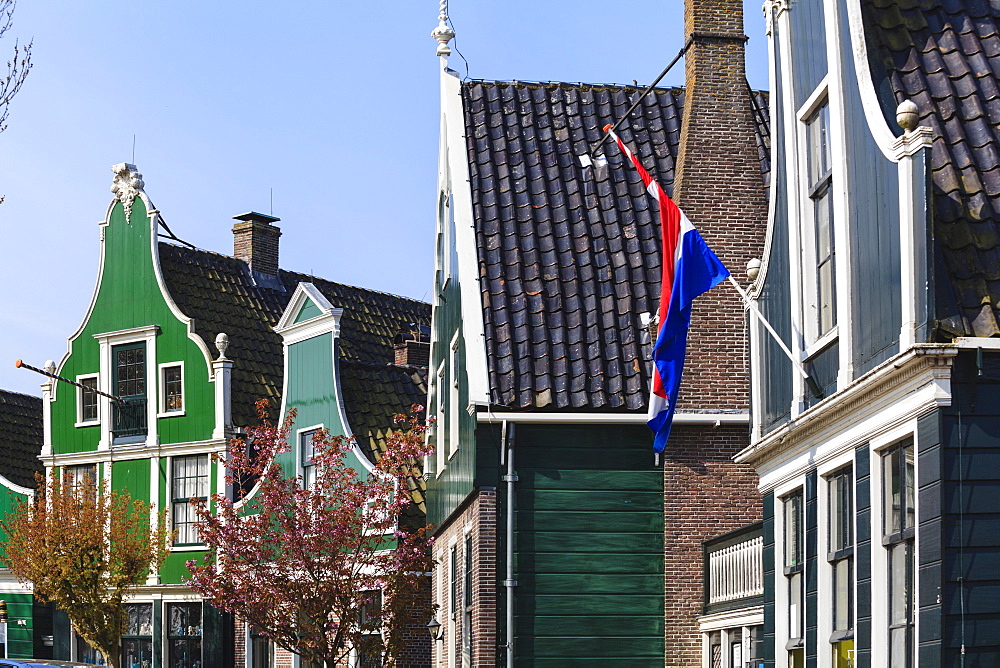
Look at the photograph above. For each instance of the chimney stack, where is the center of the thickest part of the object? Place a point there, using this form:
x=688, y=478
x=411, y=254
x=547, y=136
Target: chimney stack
x=255, y=241
x=413, y=346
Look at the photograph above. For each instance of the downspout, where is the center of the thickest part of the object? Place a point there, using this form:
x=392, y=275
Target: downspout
x=507, y=438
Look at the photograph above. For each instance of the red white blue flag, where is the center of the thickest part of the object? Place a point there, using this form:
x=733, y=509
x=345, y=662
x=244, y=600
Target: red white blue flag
x=690, y=268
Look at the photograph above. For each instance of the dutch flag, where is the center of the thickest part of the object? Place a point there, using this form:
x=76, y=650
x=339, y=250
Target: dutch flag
x=690, y=268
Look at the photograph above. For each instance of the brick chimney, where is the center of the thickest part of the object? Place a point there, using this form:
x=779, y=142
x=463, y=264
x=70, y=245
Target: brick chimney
x=719, y=186
x=413, y=346
x=255, y=241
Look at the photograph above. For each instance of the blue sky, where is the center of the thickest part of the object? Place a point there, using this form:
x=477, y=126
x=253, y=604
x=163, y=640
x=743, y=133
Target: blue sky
x=331, y=105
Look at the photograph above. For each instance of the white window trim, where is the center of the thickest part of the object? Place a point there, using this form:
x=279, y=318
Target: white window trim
x=107, y=341
x=300, y=470
x=80, y=422
x=781, y=593
x=440, y=449
x=162, y=393
x=169, y=497
x=825, y=592
x=454, y=417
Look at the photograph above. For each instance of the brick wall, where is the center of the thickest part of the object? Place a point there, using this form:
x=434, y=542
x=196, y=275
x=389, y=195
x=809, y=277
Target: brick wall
x=705, y=494
x=478, y=520
x=720, y=188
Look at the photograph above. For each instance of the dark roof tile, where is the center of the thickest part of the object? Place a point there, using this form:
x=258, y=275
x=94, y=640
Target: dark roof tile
x=21, y=417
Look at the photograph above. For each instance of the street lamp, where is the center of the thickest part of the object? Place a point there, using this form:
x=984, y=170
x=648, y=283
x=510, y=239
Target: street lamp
x=434, y=628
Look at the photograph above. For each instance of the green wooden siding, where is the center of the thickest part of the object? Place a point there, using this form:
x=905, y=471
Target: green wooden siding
x=311, y=389
x=308, y=310
x=129, y=296
x=132, y=476
x=20, y=642
x=447, y=488
x=588, y=547
x=9, y=501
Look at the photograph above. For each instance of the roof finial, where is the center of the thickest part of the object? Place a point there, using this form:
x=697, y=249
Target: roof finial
x=126, y=186
x=443, y=33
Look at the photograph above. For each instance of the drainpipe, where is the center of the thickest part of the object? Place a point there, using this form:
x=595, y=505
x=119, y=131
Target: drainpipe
x=507, y=437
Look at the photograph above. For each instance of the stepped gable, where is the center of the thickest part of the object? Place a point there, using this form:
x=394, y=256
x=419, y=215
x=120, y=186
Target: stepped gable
x=569, y=257
x=219, y=293
x=945, y=56
x=21, y=440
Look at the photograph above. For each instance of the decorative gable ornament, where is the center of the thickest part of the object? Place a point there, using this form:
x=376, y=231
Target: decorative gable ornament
x=443, y=33
x=126, y=185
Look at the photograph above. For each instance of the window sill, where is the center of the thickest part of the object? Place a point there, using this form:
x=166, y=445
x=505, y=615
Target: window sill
x=846, y=634
x=170, y=414
x=451, y=455
x=188, y=547
x=128, y=440
x=821, y=344
x=90, y=423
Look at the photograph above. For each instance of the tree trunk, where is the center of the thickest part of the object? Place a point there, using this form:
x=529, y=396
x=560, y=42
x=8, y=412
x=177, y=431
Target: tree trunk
x=112, y=656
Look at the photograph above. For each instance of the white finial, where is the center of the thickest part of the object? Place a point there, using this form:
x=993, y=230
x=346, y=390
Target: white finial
x=907, y=116
x=443, y=33
x=126, y=185
x=222, y=343
x=49, y=366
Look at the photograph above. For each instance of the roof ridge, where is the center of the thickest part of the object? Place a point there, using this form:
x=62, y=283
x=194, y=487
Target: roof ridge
x=571, y=84
x=20, y=394
x=299, y=273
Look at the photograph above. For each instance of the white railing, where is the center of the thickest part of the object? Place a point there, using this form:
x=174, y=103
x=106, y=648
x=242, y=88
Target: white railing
x=736, y=571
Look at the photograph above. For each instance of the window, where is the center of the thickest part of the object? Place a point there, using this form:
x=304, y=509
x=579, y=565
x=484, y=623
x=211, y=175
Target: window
x=818, y=226
x=190, y=481
x=794, y=567
x=137, y=641
x=441, y=427
x=85, y=653
x=184, y=635
x=172, y=389
x=841, y=552
x=80, y=476
x=129, y=383
x=261, y=650
x=467, y=604
x=307, y=450
x=454, y=404
x=453, y=602
x=371, y=627
x=899, y=518
x=86, y=402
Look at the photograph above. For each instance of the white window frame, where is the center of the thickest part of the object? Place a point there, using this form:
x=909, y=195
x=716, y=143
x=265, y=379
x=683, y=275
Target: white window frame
x=300, y=469
x=186, y=547
x=162, y=391
x=107, y=341
x=781, y=589
x=813, y=340
x=441, y=447
x=455, y=421
x=80, y=422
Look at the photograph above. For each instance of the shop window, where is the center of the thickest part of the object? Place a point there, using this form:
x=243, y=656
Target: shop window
x=184, y=633
x=137, y=641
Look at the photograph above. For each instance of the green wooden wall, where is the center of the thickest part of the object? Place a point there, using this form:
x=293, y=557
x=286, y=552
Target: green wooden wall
x=20, y=641
x=588, y=547
x=129, y=296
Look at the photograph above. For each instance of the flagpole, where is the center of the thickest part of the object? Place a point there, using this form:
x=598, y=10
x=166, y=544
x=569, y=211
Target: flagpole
x=760, y=316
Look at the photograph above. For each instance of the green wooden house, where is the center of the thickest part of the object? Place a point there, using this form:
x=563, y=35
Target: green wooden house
x=186, y=338
x=29, y=631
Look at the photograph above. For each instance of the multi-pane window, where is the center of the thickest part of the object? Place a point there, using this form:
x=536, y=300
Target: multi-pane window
x=841, y=552
x=129, y=384
x=137, y=641
x=307, y=454
x=80, y=476
x=189, y=481
x=453, y=402
x=453, y=602
x=172, y=386
x=819, y=169
x=184, y=632
x=467, y=603
x=88, y=400
x=898, y=528
x=794, y=563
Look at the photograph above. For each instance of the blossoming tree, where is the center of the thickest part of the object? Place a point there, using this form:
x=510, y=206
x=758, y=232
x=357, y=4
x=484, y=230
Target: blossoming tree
x=324, y=568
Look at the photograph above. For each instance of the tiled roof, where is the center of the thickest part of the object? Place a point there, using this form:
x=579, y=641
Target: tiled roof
x=21, y=437
x=945, y=56
x=569, y=259
x=221, y=295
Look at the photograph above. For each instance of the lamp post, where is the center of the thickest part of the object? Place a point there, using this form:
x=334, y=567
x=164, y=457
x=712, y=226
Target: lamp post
x=434, y=628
